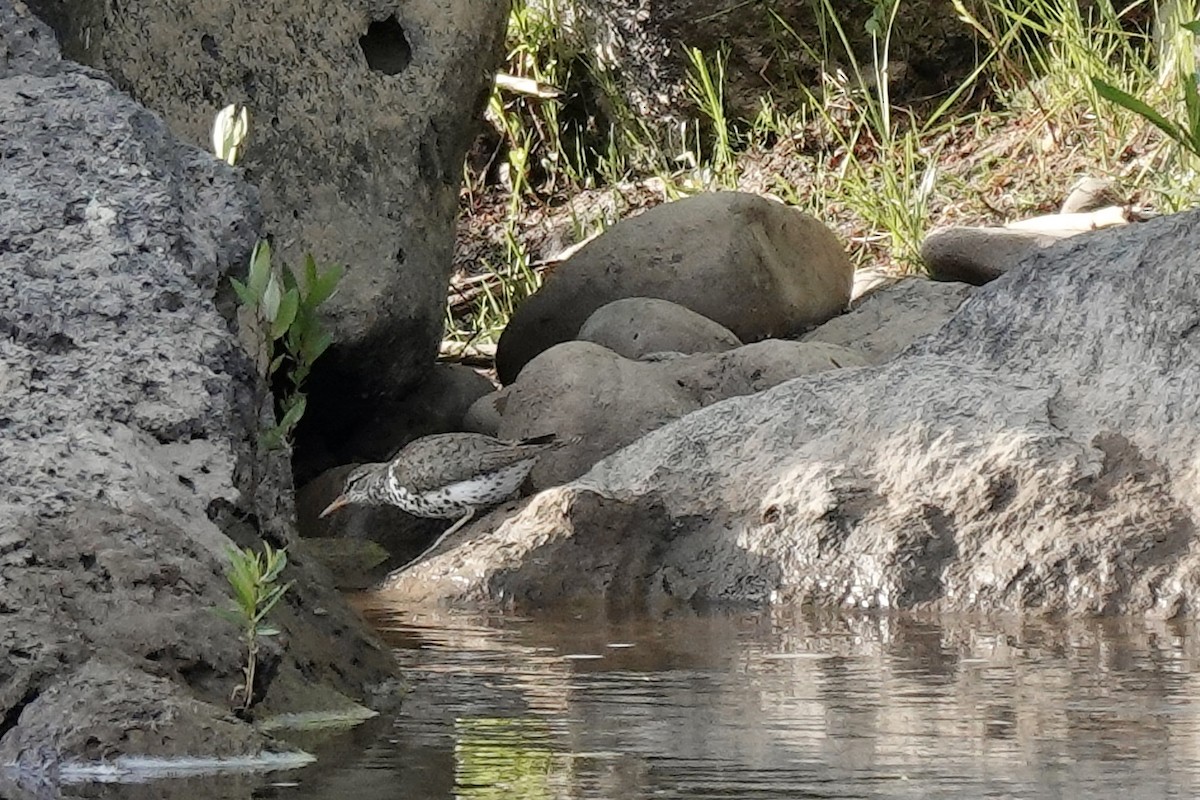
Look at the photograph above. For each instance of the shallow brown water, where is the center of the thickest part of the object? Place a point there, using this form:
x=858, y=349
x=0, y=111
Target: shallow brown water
x=776, y=706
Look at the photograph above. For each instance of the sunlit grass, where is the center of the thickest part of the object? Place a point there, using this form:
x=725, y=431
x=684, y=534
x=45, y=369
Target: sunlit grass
x=891, y=173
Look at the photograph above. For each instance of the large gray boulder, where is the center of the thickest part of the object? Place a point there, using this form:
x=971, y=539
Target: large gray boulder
x=360, y=120
x=1037, y=454
x=129, y=460
x=597, y=401
x=890, y=318
x=758, y=267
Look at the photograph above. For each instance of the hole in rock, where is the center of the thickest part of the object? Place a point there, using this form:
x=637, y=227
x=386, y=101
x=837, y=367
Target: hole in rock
x=209, y=45
x=386, y=48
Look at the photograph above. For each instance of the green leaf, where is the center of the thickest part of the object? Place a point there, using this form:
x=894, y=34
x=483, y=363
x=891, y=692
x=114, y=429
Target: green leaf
x=290, y=282
x=230, y=615
x=310, y=274
x=286, y=314
x=275, y=364
x=267, y=630
x=272, y=439
x=260, y=268
x=295, y=411
x=1128, y=101
x=314, y=346
x=271, y=299
x=323, y=287
x=298, y=376
x=1193, y=26
x=271, y=565
x=269, y=602
x=1191, y=101
x=244, y=294
x=243, y=592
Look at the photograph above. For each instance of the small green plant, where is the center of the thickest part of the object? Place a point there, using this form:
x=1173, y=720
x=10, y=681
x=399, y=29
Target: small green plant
x=293, y=335
x=707, y=88
x=284, y=308
x=254, y=579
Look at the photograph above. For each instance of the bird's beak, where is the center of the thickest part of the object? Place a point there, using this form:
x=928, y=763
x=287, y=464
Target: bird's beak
x=334, y=506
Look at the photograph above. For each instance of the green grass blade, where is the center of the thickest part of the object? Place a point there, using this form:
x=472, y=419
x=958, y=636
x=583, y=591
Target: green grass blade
x=1131, y=103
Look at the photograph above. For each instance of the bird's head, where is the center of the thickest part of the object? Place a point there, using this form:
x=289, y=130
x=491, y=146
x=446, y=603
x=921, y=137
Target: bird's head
x=359, y=487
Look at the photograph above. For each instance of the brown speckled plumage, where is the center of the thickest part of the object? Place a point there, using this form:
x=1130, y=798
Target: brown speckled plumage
x=433, y=462
x=445, y=475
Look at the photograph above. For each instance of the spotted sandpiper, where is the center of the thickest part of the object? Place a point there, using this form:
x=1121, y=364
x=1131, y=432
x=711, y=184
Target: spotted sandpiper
x=444, y=476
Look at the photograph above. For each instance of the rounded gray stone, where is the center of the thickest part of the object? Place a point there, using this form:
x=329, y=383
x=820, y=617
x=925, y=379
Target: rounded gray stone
x=636, y=326
x=978, y=255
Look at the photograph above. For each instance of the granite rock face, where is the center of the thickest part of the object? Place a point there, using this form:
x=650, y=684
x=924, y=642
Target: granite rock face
x=130, y=418
x=360, y=118
x=1037, y=454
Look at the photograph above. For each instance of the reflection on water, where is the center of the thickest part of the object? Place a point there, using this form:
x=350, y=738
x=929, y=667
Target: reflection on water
x=771, y=706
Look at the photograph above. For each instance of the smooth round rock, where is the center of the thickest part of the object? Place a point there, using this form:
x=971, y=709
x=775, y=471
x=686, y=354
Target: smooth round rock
x=758, y=267
x=484, y=414
x=978, y=255
x=636, y=326
x=891, y=317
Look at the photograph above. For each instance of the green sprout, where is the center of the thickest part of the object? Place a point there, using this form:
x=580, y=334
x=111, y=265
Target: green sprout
x=253, y=577
x=293, y=335
x=285, y=307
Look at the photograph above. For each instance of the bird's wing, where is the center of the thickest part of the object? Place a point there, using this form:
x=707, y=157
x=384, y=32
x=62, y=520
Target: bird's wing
x=434, y=462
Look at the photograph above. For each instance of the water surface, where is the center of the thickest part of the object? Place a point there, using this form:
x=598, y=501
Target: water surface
x=775, y=706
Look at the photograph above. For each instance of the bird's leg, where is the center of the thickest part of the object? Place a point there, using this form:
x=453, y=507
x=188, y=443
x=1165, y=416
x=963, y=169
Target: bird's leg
x=463, y=520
